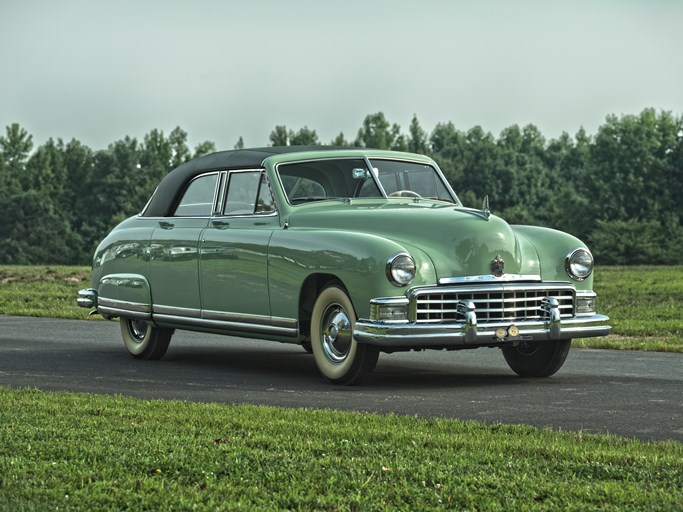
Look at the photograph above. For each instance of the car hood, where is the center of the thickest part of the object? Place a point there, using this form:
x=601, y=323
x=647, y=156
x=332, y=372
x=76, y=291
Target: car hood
x=459, y=241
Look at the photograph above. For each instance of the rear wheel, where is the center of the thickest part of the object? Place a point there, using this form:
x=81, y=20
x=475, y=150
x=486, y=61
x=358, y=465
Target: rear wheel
x=340, y=359
x=537, y=358
x=144, y=341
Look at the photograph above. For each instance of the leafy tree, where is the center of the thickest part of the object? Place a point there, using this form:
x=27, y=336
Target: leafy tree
x=340, y=141
x=618, y=190
x=15, y=148
x=378, y=134
x=471, y=162
x=633, y=173
x=36, y=208
x=152, y=159
x=417, y=141
x=204, y=148
x=39, y=233
x=279, y=136
x=240, y=143
x=447, y=146
x=179, y=150
x=524, y=178
x=304, y=137
x=636, y=242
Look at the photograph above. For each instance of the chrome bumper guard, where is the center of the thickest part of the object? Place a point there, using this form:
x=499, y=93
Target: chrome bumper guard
x=87, y=298
x=464, y=333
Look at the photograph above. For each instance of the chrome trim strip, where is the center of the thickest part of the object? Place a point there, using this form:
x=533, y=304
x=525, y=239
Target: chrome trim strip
x=216, y=190
x=390, y=301
x=243, y=318
x=586, y=294
x=110, y=311
x=176, y=311
x=124, y=280
x=375, y=176
x=505, y=278
x=220, y=197
x=123, y=305
x=463, y=334
x=546, y=285
x=244, y=215
x=227, y=326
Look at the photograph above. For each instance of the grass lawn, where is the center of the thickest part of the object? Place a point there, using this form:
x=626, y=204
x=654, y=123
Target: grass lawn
x=66, y=451
x=644, y=306
x=47, y=291
x=63, y=451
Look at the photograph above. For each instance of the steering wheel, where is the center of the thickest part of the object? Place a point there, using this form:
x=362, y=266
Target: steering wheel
x=404, y=193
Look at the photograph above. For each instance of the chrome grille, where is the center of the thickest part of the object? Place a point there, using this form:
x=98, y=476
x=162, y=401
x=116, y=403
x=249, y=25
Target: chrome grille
x=493, y=303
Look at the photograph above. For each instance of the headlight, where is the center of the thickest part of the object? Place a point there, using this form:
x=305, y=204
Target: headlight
x=579, y=264
x=401, y=269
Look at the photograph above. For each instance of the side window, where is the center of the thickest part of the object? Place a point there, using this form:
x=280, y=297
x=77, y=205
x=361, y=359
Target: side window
x=198, y=198
x=243, y=188
x=265, y=202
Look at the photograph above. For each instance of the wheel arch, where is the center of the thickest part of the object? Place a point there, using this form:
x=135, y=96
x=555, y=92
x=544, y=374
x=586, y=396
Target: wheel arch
x=310, y=289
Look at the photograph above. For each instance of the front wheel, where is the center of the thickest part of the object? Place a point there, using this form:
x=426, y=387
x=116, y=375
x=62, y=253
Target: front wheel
x=340, y=359
x=144, y=341
x=537, y=358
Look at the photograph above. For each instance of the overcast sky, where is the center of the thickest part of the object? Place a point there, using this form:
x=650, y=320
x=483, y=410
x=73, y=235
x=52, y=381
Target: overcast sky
x=100, y=70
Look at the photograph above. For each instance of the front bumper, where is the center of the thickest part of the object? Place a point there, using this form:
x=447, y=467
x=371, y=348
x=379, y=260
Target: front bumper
x=469, y=334
x=87, y=298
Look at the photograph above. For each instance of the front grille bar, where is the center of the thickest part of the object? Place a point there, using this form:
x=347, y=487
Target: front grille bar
x=492, y=303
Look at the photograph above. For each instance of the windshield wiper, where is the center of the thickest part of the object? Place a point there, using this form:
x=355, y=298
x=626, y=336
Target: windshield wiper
x=305, y=199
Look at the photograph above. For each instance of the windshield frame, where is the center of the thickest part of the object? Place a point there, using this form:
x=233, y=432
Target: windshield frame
x=374, y=174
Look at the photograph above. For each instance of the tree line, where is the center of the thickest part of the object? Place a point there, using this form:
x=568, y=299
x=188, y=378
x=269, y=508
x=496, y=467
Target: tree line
x=618, y=190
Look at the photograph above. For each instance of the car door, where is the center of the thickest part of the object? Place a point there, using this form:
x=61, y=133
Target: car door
x=234, y=254
x=174, y=251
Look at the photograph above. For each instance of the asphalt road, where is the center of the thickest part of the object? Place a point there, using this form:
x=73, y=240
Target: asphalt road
x=634, y=394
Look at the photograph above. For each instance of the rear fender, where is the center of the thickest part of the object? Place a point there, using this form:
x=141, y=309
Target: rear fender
x=126, y=295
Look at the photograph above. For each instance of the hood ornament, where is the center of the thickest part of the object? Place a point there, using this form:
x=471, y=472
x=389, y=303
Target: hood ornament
x=485, y=207
x=498, y=266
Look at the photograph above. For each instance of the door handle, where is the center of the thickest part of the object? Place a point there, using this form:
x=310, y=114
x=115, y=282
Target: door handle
x=220, y=224
x=166, y=225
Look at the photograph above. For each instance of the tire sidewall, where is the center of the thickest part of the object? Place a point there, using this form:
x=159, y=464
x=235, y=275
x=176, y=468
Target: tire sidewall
x=545, y=360
x=331, y=295
x=135, y=347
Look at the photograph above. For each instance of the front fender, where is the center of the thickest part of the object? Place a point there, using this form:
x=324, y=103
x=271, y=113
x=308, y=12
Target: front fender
x=358, y=260
x=552, y=247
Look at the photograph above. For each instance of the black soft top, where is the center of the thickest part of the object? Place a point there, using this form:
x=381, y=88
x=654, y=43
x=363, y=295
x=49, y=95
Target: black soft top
x=164, y=198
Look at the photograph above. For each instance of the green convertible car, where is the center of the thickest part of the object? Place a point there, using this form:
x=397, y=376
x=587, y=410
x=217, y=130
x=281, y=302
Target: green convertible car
x=347, y=252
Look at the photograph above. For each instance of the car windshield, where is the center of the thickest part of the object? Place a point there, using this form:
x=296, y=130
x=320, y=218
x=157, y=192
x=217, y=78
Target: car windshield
x=350, y=178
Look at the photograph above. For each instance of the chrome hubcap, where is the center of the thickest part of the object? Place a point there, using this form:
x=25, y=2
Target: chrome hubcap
x=138, y=329
x=336, y=334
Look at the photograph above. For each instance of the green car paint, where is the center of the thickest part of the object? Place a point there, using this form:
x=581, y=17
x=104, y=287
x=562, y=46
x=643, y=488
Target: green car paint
x=258, y=272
